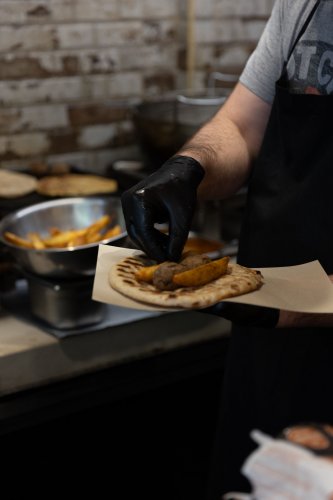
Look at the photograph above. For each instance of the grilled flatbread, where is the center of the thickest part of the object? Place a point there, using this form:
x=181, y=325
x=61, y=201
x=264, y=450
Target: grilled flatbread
x=237, y=281
x=16, y=184
x=75, y=185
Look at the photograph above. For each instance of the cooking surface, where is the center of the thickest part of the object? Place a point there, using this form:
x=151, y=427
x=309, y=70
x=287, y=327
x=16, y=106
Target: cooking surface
x=16, y=302
x=31, y=358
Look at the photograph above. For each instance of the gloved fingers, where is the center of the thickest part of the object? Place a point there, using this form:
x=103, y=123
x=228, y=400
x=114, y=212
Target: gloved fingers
x=245, y=314
x=140, y=216
x=180, y=226
x=155, y=246
x=176, y=243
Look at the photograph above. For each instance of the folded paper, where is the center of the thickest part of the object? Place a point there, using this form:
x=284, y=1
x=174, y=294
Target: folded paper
x=303, y=288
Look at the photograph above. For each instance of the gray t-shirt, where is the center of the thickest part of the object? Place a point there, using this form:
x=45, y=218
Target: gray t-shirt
x=310, y=67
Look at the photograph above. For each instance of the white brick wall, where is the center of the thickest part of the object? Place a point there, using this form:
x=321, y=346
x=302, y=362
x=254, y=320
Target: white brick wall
x=70, y=56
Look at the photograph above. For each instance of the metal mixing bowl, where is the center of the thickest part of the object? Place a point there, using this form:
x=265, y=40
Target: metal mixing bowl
x=65, y=214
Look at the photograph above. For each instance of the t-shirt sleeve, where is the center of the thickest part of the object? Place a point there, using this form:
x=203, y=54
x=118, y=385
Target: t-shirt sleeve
x=264, y=66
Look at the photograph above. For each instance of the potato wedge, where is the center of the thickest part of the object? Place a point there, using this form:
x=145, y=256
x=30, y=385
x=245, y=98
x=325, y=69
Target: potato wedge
x=99, y=224
x=62, y=239
x=146, y=273
x=113, y=231
x=203, y=274
x=77, y=241
x=17, y=240
x=36, y=240
x=57, y=238
x=93, y=237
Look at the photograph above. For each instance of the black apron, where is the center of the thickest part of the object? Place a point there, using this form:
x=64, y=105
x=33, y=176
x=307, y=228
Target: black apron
x=278, y=377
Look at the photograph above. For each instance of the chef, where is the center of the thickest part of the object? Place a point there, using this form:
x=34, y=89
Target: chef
x=274, y=134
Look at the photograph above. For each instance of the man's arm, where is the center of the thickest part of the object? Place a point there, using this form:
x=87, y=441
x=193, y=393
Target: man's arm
x=227, y=145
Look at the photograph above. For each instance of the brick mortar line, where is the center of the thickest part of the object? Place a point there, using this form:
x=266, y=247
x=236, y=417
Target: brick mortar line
x=88, y=48
x=73, y=22
x=247, y=17
x=126, y=102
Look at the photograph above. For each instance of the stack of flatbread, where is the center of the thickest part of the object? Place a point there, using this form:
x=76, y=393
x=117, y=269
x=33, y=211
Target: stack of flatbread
x=16, y=184
x=75, y=185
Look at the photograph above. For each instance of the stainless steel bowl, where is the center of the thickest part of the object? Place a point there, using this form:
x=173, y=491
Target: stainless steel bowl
x=65, y=213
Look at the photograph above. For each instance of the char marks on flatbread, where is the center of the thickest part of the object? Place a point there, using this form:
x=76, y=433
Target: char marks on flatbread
x=237, y=281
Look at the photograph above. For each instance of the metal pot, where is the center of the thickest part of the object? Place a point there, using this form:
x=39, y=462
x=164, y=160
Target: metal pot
x=164, y=124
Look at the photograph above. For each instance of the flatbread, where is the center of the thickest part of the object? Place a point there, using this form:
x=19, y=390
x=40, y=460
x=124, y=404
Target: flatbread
x=237, y=281
x=75, y=185
x=16, y=184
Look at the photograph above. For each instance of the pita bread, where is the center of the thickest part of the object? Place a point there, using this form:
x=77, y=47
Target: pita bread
x=75, y=185
x=237, y=281
x=16, y=184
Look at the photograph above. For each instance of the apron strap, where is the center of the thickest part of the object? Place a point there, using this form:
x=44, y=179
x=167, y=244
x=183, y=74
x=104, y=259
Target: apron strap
x=302, y=31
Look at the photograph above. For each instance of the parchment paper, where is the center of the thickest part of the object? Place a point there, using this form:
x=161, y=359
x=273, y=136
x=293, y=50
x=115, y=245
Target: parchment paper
x=302, y=288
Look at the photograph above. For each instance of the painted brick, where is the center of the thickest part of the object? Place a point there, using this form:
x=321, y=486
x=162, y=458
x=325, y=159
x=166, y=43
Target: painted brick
x=161, y=31
x=59, y=63
x=205, y=8
x=124, y=84
x=61, y=142
x=25, y=38
x=98, y=10
x=76, y=35
x=222, y=55
x=48, y=10
x=147, y=57
x=70, y=69
x=35, y=11
x=153, y=9
x=243, y=8
x=76, y=62
x=98, y=61
x=158, y=83
x=97, y=136
x=228, y=29
x=93, y=113
x=23, y=145
x=39, y=91
x=32, y=118
x=130, y=9
x=118, y=33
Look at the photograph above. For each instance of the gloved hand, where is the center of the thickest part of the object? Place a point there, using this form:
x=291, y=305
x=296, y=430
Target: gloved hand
x=168, y=195
x=245, y=314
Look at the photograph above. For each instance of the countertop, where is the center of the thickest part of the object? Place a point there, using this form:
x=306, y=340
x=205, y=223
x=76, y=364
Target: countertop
x=30, y=357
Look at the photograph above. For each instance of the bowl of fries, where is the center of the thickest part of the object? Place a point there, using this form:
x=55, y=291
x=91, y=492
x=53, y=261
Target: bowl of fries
x=60, y=238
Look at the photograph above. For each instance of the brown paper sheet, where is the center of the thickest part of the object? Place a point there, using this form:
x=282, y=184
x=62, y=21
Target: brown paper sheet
x=302, y=288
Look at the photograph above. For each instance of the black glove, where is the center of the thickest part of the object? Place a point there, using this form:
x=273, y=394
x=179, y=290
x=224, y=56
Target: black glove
x=245, y=315
x=168, y=195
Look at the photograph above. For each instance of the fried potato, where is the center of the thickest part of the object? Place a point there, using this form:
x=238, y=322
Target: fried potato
x=146, y=273
x=77, y=241
x=95, y=232
x=54, y=230
x=203, y=274
x=113, y=231
x=99, y=224
x=92, y=237
x=36, y=241
x=62, y=239
x=17, y=240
